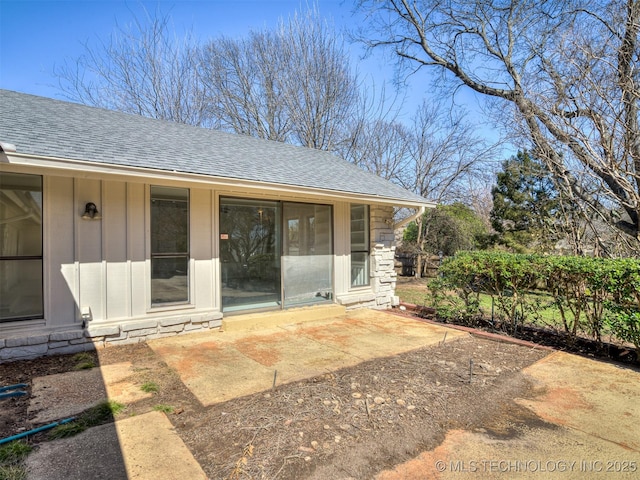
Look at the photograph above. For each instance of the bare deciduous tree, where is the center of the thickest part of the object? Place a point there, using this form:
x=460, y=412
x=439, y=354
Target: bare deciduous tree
x=291, y=84
x=321, y=91
x=382, y=147
x=447, y=155
x=243, y=79
x=567, y=68
x=437, y=155
x=142, y=69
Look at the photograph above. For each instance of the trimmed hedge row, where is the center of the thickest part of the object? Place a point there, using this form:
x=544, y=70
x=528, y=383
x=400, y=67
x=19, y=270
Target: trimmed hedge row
x=591, y=295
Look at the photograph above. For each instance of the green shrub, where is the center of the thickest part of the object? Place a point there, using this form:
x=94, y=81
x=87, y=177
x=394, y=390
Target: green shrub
x=591, y=295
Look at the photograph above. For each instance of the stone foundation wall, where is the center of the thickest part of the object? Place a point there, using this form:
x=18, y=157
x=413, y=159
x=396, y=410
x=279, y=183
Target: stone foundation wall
x=73, y=340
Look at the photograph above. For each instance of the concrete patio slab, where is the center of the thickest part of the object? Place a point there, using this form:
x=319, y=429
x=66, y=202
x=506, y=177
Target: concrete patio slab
x=592, y=412
x=214, y=371
x=598, y=398
x=152, y=449
x=145, y=447
x=54, y=397
x=218, y=366
x=565, y=454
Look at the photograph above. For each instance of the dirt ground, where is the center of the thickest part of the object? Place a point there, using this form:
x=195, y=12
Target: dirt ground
x=352, y=423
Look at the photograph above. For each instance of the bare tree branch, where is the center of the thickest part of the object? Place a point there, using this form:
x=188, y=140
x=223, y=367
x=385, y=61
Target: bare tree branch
x=568, y=68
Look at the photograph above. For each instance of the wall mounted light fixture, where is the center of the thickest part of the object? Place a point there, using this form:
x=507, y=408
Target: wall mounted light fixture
x=91, y=212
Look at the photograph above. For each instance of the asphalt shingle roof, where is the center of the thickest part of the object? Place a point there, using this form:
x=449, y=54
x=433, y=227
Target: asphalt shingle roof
x=53, y=128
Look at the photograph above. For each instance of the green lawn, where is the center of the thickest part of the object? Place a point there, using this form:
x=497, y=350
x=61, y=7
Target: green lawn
x=545, y=313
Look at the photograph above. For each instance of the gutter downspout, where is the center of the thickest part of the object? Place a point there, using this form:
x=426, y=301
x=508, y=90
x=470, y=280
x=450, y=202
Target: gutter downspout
x=410, y=218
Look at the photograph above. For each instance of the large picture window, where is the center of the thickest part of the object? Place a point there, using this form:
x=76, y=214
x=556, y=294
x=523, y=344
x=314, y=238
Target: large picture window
x=359, y=245
x=169, y=245
x=20, y=247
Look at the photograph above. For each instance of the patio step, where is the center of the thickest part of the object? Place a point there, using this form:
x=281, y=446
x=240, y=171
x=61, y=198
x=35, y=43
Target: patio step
x=254, y=321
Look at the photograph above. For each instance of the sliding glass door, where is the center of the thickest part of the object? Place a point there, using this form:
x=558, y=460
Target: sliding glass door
x=307, y=259
x=275, y=254
x=250, y=242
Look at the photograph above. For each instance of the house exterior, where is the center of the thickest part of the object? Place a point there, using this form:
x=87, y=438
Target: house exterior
x=116, y=228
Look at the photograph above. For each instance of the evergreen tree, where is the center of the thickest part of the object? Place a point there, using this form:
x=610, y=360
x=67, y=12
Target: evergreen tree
x=525, y=204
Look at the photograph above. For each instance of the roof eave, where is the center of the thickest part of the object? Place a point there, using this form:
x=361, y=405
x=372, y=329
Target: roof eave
x=89, y=169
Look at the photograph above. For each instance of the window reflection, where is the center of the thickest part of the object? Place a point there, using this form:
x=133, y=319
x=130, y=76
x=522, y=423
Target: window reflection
x=20, y=247
x=169, y=245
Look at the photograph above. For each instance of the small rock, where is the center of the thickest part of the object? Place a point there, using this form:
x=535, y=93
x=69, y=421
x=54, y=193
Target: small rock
x=378, y=400
x=305, y=449
x=327, y=427
x=314, y=445
x=359, y=403
x=267, y=395
x=326, y=402
x=337, y=438
x=307, y=459
x=345, y=427
x=301, y=434
x=287, y=422
x=401, y=402
x=356, y=395
x=437, y=383
x=411, y=407
x=300, y=400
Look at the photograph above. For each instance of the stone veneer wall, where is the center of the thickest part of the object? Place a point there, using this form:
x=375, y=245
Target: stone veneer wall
x=383, y=274
x=76, y=339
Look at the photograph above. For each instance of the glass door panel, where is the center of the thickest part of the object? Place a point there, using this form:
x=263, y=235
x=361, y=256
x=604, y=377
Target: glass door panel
x=307, y=259
x=250, y=254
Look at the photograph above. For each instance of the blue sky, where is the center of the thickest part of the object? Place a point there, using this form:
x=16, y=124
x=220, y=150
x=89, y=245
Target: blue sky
x=37, y=35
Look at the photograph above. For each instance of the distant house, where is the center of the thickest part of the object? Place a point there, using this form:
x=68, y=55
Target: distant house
x=116, y=228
